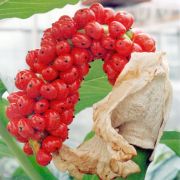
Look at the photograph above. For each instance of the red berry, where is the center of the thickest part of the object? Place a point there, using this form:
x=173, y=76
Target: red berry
x=108, y=15
x=48, y=91
x=38, y=67
x=48, y=42
x=62, y=89
x=74, y=97
x=74, y=86
x=146, y=42
x=12, y=127
x=61, y=131
x=64, y=18
x=83, y=69
x=33, y=87
x=63, y=62
x=94, y=30
x=67, y=116
x=38, y=122
x=21, y=139
x=24, y=128
x=112, y=81
x=62, y=47
x=136, y=48
x=125, y=18
x=98, y=10
x=51, y=144
x=98, y=50
x=108, y=42
x=43, y=158
x=31, y=57
x=80, y=56
x=68, y=103
x=70, y=75
x=27, y=149
x=67, y=28
x=47, y=33
x=25, y=105
x=52, y=119
x=84, y=16
x=23, y=78
x=57, y=105
x=49, y=73
x=46, y=54
x=81, y=40
x=13, y=97
x=56, y=31
x=39, y=135
x=108, y=69
x=118, y=62
x=116, y=29
x=41, y=106
x=12, y=112
x=124, y=47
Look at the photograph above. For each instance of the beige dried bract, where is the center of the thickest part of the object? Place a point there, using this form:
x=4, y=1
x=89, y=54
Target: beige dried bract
x=133, y=113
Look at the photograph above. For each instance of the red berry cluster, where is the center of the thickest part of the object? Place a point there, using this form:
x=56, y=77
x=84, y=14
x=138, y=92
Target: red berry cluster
x=44, y=106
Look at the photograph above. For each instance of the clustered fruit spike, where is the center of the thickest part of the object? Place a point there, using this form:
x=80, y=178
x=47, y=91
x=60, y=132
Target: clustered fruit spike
x=44, y=107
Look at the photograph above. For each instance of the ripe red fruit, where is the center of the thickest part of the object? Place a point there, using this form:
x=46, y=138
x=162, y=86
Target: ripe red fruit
x=108, y=69
x=112, y=81
x=63, y=62
x=49, y=73
x=136, y=48
x=52, y=119
x=13, y=97
x=39, y=135
x=98, y=50
x=48, y=91
x=47, y=34
x=108, y=15
x=48, y=42
x=24, y=128
x=70, y=75
x=83, y=16
x=80, y=56
x=116, y=29
x=67, y=116
x=27, y=149
x=21, y=139
x=146, y=42
x=46, y=54
x=124, y=47
x=83, y=69
x=74, y=97
x=98, y=10
x=25, y=105
x=41, y=106
x=33, y=87
x=23, y=78
x=31, y=57
x=108, y=42
x=37, y=122
x=81, y=40
x=74, y=86
x=51, y=144
x=65, y=18
x=38, y=67
x=94, y=30
x=62, y=89
x=57, y=105
x=12, y=127
x=125, y=18
x=61, y=131
x=12, y=112
x=43, y=158
x=62, y=47
x=56, y=31
x=118, y=62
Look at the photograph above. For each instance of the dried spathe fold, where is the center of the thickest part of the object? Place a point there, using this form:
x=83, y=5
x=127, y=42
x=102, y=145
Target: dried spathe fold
x=133, y=113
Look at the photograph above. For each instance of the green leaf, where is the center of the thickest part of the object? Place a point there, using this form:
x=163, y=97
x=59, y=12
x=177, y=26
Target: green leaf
x=94, y=88
x=4, y=150
x=26, y=8
x=2, y=88
x=20, y=174
x=172, y=140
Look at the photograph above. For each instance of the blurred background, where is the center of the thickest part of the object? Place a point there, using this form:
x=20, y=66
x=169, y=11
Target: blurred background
x=160, y=18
